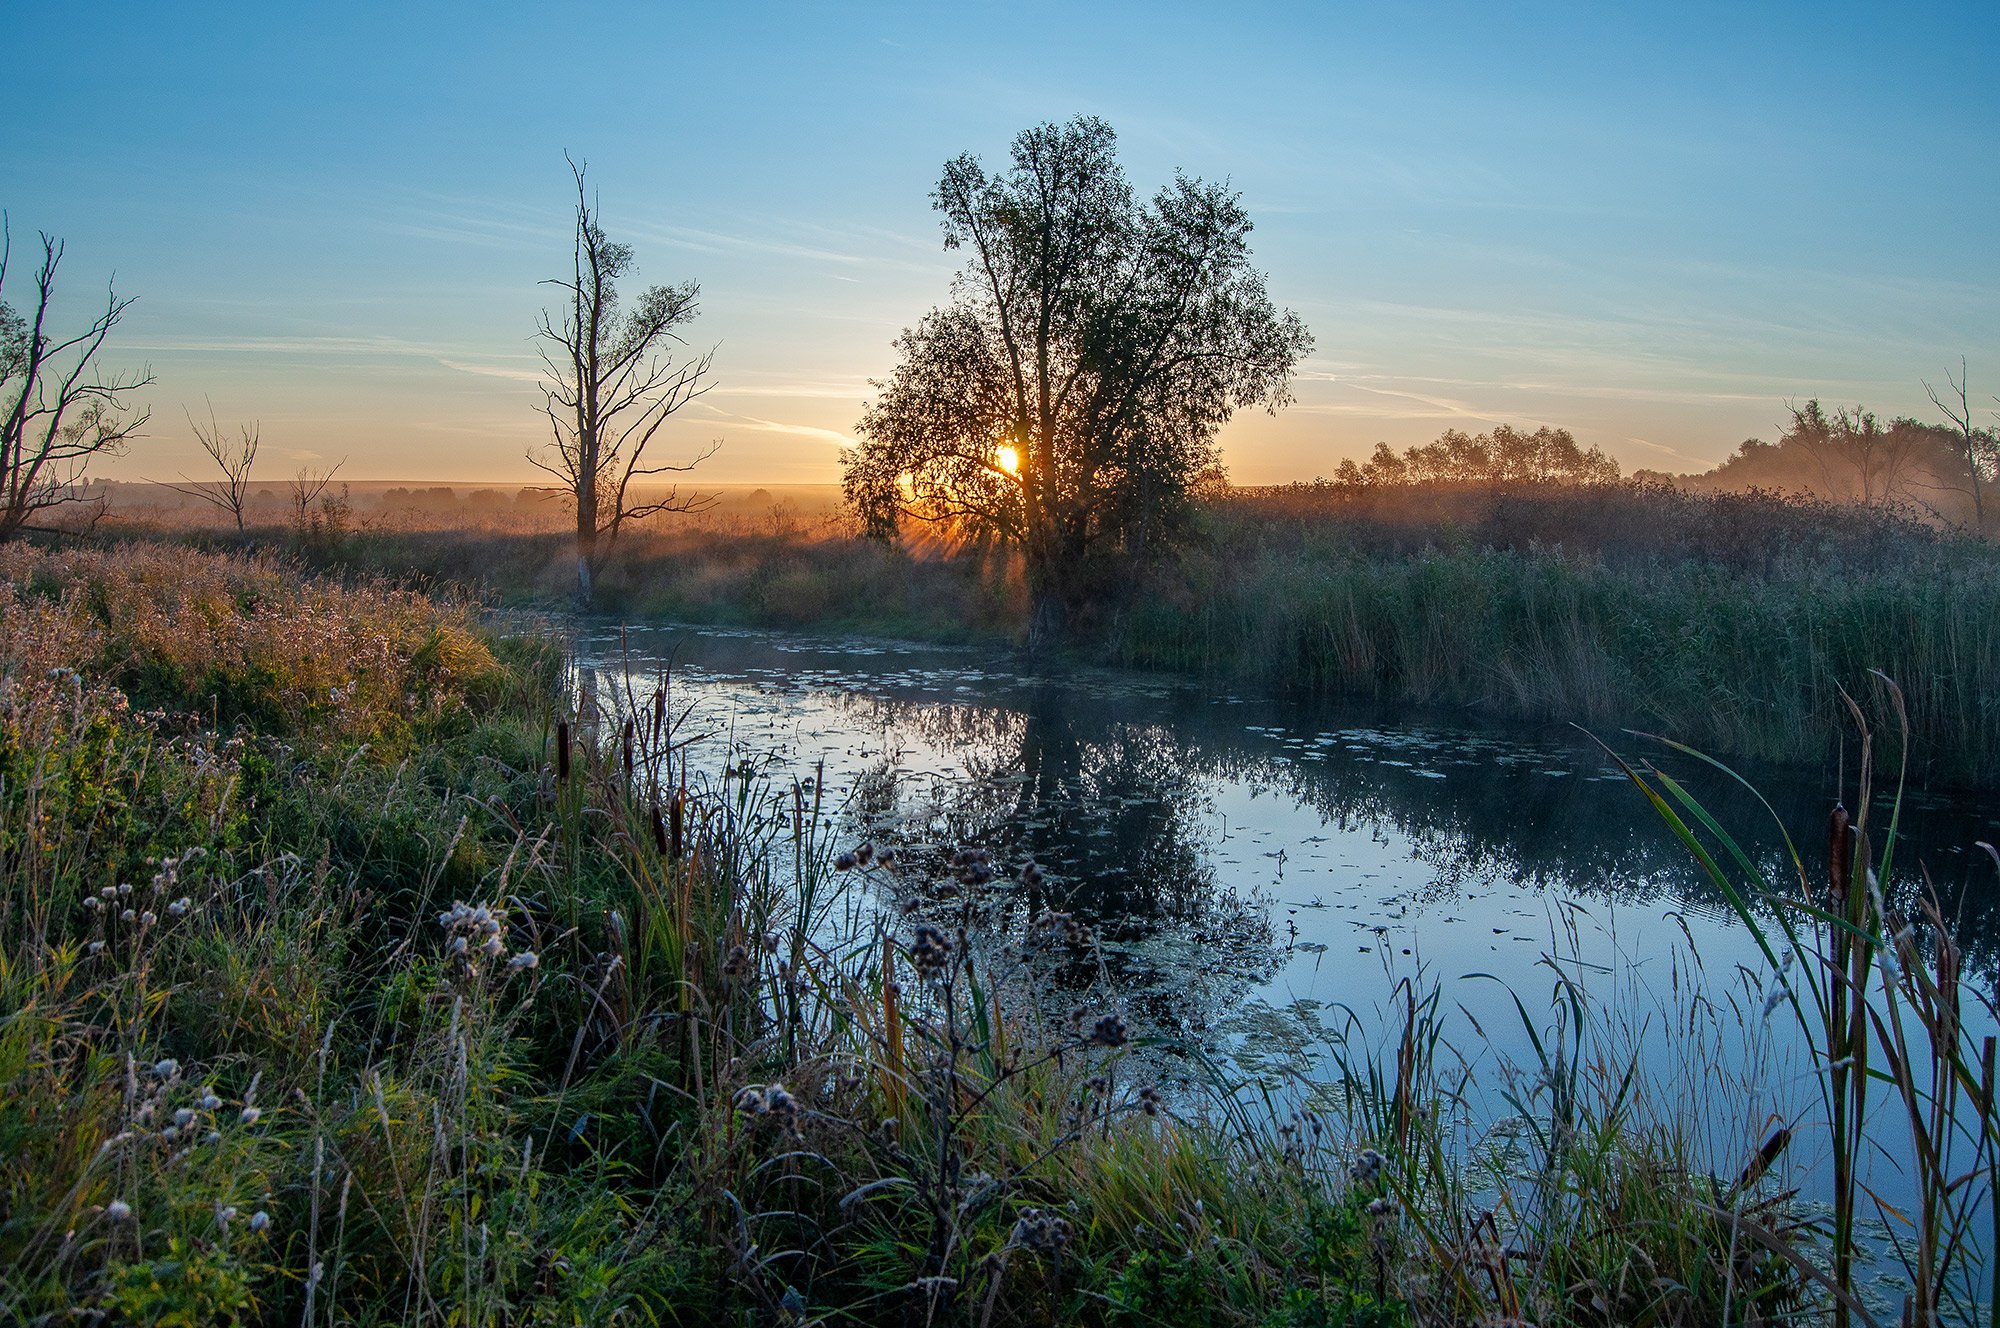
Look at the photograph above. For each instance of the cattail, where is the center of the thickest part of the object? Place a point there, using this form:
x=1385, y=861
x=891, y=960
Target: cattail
x=562, y=749
x=1761, y=1163
x=659, y=831
x=1839, y=855
x=628, y=751
x=677, y=825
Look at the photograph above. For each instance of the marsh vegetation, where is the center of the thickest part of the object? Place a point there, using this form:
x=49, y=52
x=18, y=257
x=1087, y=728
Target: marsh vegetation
x=360, y=970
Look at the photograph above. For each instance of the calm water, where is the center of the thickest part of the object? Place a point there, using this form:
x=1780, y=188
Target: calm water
x=1262, y=873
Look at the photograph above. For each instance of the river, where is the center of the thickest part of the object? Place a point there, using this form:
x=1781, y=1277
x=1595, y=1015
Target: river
x=1260, y=874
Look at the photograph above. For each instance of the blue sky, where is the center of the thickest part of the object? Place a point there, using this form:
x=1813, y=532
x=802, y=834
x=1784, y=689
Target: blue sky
x=1651, y=225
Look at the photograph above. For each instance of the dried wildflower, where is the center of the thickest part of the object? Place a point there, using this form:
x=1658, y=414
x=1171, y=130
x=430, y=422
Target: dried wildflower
x=1366, y=1167
x=1383, y=1207
x=971, y=866
x=845, y=862
x=129, y=915
x=930, y=950
x=250, y=1115
x=863, y=852
x=259, y=1220
x=167, y=1068
x=1149, y=1100
x=179, y=907
x=1041, y=1232
x=184, y=1117
x=477, y=928
x=148, y=918
x=224, y=1216
x=768, y=1100
x=737, y=967
x=525, y=959
x=94, y=947
x=209, y=1101
x=1109, y=1031
x=118, y=1211
x=90, y=902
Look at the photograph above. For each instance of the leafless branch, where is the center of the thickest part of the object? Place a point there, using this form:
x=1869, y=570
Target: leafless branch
x=233, y=457
x=613, y=381
x=61, y=410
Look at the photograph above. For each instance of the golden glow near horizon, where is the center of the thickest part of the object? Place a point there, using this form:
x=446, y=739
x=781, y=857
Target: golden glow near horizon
x=1008, y=459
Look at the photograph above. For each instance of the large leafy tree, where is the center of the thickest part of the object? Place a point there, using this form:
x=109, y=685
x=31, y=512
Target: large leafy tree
x=1066, y=401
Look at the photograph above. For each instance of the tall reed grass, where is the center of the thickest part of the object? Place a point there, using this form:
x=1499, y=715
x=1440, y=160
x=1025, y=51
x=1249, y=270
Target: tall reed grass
x=1729, y=621
x=1903, y=1037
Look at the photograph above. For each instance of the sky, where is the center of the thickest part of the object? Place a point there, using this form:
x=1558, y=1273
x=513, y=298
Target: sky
x=1652, y=225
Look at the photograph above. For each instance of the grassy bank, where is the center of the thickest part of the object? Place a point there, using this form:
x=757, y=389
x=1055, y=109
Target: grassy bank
x=348, y=975
x=1730, y=621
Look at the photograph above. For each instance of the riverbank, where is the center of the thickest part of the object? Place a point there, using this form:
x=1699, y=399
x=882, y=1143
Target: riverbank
x=1731, y=622
x=353, y=976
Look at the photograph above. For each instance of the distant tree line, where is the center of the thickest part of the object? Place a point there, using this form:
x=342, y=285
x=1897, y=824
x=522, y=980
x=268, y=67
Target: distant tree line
x=1504, y=456
x=1850, y=455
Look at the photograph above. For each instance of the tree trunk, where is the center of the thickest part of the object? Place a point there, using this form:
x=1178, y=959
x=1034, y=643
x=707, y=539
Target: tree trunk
x=586, y=547
x=1048, y=618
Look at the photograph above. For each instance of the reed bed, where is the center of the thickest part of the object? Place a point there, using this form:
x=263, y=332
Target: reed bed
x=1729, y=621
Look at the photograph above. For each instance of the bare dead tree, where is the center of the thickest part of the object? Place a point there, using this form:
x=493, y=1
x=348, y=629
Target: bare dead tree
x=62, y=410
x=233, y=457
x=613, y=382
x=307, y=486
x=1970, y=439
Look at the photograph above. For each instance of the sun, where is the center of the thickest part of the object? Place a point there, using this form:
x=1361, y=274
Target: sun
x=1008, y=459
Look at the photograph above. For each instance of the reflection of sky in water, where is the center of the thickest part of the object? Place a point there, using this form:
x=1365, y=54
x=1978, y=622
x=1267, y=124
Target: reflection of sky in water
x=1258, y=869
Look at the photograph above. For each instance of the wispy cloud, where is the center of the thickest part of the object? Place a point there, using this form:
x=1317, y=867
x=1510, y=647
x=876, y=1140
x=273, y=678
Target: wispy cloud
x=509, y=372
x=775, y=426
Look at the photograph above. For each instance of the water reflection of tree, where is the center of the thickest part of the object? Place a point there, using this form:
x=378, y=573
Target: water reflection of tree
x=1104, y=784
x=1498, y=817
x=1114, y=816
x=1112, y=797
